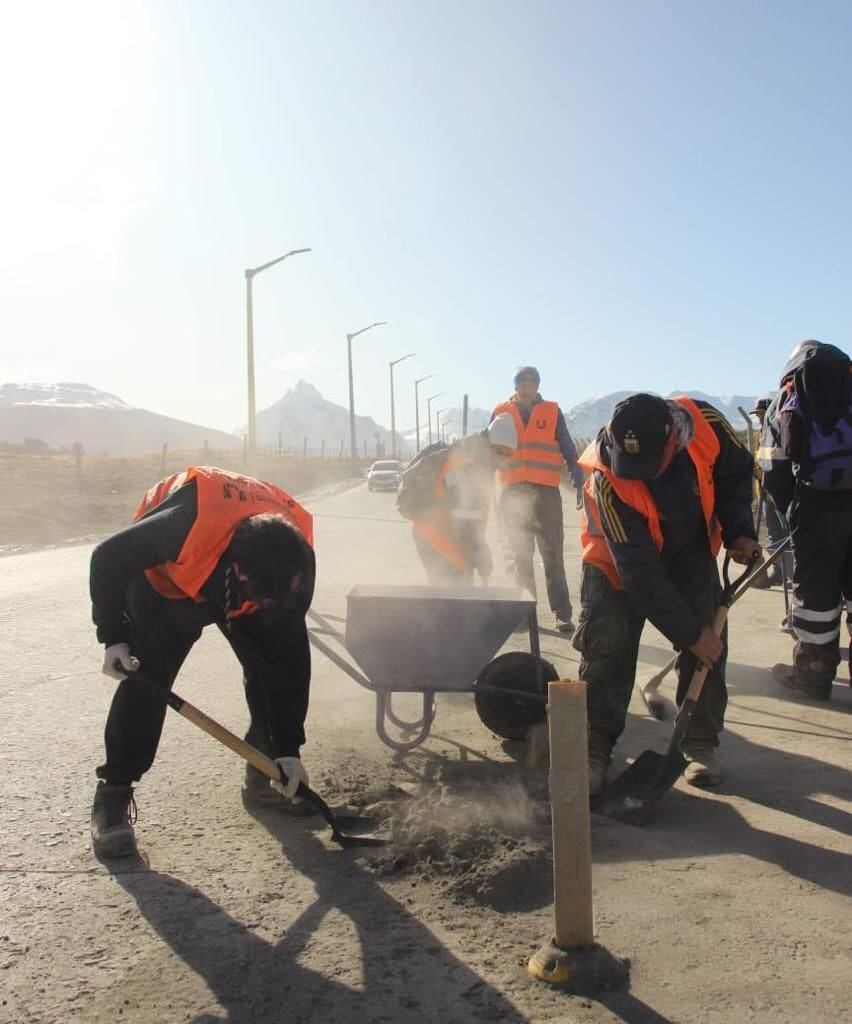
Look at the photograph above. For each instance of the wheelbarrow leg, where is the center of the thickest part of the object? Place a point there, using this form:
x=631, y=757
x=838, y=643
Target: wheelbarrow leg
x=423, y=726
x=535, y=649
x=400, y=723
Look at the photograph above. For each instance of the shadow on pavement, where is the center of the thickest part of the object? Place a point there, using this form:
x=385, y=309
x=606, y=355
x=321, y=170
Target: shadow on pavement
x=752, y=680
x=687, y=825
x=408, y=975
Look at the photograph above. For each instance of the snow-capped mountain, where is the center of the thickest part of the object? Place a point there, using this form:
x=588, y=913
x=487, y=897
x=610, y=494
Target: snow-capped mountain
x=586, y=419
x=304, y=413
x=65, y=394
x=64, y=414
x=451, y=424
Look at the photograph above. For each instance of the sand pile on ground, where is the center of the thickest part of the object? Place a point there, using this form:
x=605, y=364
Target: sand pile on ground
x=479, y=842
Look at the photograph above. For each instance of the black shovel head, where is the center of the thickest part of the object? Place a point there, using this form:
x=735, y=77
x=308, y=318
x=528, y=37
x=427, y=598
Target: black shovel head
x=356, y=830
x=638, y=790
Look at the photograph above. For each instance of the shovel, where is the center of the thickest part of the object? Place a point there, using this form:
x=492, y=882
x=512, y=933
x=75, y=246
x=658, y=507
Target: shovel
x=342, y=825
x=659, y=706
x=638, y=790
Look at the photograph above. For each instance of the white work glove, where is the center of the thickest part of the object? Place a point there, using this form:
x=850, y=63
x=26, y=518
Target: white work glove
x=119, y=653
x=295, y=772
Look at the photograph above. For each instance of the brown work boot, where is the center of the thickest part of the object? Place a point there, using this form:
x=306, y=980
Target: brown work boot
x=113, y=816
x=600, y=757
x=791, y=679
x=703, y=768
x=598, y=767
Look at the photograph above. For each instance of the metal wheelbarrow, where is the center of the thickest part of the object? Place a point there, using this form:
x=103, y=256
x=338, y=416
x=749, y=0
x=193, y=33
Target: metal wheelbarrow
x=428, y=640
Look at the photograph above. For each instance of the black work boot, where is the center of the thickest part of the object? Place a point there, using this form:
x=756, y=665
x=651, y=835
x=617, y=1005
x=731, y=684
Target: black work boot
x=113, y=815
x=258, y=793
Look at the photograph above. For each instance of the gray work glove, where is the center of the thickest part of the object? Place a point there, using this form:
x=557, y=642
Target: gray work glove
x=118, y=661
x=295, y=772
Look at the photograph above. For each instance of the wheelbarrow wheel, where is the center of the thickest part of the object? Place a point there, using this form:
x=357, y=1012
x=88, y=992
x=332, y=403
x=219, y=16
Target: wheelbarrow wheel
x=511, y=717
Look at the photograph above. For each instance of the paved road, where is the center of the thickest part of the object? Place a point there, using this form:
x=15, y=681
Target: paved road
x=732, y=905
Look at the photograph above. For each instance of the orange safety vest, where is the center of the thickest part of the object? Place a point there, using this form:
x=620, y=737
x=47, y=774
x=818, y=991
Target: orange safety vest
x=435, y=526
x=225, y=500
x=538, y=457
x=703, y=449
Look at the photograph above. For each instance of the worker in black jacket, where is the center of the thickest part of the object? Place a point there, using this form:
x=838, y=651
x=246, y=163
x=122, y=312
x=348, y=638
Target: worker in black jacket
x=806, y=455
x=670, y=482
x=207, y=547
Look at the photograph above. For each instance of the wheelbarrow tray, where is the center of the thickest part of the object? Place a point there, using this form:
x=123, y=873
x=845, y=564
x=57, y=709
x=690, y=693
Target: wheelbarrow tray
x=421, y=638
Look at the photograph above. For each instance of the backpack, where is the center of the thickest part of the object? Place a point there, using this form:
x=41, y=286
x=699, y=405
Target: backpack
x=816, y=419
x=416, y=491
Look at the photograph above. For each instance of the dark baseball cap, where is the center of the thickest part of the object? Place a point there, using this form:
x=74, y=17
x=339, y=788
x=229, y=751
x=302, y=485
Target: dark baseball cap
x=638, y=430
x=761, y=405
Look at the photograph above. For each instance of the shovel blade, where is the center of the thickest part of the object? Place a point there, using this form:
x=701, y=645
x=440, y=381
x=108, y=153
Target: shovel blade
x=638, y=790
x=355, y=830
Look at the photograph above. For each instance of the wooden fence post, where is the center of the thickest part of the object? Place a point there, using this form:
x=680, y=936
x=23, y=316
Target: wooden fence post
x=572, y=959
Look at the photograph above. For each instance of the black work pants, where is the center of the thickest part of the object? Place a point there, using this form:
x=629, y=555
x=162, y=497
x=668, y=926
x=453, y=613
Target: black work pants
x=608, y=638
x=532, y=513
x=162, y=632
x=821, y=527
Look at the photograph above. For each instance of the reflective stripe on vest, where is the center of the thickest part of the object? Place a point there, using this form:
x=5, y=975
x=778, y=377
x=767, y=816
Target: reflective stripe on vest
x=538, y=457
x=703, y=449
x=225, y=500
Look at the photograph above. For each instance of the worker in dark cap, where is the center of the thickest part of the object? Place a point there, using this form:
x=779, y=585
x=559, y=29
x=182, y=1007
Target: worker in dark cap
x=670, y=484
x=530, y=501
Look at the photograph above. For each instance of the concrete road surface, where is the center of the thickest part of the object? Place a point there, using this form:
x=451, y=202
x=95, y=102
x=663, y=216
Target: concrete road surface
x=732, y=905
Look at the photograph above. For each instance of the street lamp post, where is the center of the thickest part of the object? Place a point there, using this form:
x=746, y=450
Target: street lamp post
x=429, y=411
x=438, y=423
x=392, y=364
x=417, y=384
x=349, y=337
x=251, y=274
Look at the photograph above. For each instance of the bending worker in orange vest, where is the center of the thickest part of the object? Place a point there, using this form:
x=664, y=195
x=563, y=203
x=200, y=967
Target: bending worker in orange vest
x=670, y=483
x=450, y=533
x=530, y=503
x=207, y=546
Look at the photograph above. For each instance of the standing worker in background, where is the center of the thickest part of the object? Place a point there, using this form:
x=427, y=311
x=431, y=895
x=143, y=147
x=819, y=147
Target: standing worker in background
x=207, y=546
x=446, y=492
x=809, y=469
x=531, y=503
x=766, y=411
x=670, y=483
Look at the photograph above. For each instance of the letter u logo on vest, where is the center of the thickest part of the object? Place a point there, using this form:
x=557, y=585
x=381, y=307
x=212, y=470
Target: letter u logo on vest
x=540, y=424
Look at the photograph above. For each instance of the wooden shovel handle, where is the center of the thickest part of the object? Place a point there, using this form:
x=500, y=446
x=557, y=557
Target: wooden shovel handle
x=699, y=676
x=213, y=728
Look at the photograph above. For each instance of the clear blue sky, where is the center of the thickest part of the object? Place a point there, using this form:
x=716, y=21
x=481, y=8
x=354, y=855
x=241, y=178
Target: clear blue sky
x=628, y=194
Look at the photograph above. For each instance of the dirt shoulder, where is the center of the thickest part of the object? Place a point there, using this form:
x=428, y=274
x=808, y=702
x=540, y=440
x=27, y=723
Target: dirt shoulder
x=48, y=501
